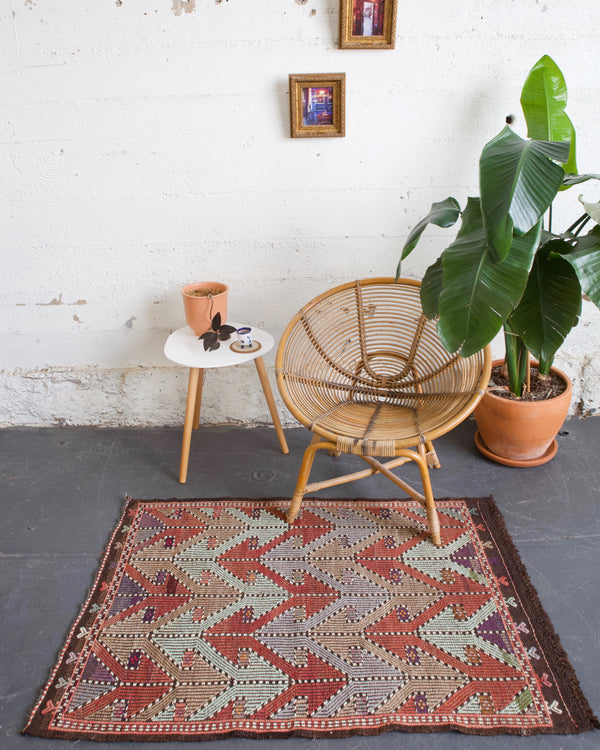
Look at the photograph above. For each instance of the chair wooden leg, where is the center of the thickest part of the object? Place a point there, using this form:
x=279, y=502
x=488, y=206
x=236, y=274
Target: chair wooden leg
x=198, y=398
x=189, y=422
x=384, y=469
x=432, y=459
x=305, y=467
x=264, y=381
x=432, y=514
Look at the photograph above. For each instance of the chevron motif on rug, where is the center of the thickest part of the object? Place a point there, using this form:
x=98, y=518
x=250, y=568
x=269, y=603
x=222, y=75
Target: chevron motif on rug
x=215, y=617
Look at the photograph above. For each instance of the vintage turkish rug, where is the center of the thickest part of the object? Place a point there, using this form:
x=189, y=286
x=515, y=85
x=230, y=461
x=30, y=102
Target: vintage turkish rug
x=212, y=618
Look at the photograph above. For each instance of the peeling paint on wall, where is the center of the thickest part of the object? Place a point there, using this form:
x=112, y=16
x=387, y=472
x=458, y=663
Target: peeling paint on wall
x=130, y=397
x=180, y=6
x=56, y=301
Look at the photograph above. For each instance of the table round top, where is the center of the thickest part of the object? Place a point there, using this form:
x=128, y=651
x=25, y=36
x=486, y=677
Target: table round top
x=184, y=348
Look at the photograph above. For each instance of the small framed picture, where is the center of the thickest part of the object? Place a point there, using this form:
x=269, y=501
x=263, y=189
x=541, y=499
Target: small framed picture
x=317, y=105
x=368, y=24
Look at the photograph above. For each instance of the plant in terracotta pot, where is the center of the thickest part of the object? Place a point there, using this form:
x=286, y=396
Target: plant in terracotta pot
x=506, y=270
x=202, y=300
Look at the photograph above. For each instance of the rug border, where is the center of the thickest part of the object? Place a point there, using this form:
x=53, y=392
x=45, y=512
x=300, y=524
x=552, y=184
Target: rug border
x=34, y=715
x=582, y=715
x=581, y=711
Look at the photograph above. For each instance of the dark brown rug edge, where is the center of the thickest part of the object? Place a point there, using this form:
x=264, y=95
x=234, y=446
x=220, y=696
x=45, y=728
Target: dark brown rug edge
x=581, y=711
x=584, y=718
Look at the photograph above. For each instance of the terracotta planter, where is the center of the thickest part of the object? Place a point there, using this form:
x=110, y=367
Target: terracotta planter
x=199, y=310
x=521, y=433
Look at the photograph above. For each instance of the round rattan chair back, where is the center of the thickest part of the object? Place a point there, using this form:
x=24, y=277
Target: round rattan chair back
x=362, y=366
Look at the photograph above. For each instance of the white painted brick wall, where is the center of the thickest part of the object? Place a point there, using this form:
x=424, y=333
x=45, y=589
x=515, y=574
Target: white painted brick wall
x=145, y=145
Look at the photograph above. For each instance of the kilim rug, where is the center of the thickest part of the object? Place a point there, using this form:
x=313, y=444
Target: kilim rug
x=211, y=618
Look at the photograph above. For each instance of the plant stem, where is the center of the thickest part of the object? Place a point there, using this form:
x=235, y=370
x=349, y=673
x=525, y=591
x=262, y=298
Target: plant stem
x=516, y=360
x=581, y=226
x=583, y=219
x=550, y=218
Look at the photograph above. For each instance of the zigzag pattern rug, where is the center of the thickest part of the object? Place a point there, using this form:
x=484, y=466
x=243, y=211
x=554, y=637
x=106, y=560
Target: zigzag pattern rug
x=212, y=618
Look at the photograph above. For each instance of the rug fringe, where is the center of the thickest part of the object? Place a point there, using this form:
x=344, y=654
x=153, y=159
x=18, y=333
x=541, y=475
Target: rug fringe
x=543, y=625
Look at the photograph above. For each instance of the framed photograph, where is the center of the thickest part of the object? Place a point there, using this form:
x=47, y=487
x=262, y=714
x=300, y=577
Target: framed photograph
x=368, y=24
x=317, y=105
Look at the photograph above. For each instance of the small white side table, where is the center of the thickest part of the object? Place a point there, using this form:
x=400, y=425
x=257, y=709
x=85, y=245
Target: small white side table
x=184, y=348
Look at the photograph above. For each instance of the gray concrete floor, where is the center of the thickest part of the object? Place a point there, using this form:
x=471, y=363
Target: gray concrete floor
x=62, y=491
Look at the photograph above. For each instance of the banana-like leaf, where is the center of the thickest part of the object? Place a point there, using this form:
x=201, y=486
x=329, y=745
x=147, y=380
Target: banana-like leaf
x=518, y=180
x=575, y=179
x=431, y=288
x=585, y=259
x=593, y=209
x=543, y=99
x=442, y=214
x=550, y=306
x=478, y=293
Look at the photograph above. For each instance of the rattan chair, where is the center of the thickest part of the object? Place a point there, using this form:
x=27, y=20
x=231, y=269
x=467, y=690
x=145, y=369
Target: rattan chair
x=364, y=370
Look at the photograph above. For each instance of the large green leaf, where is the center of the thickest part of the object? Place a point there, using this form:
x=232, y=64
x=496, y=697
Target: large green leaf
x=518, y=179
x=550, y=305
x=544, y=98
x=576, y=179
x=442, y=214
x=478, y=293
x=431, y=288
x=585, y=260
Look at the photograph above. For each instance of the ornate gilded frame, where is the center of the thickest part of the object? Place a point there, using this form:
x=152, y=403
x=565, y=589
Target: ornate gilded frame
x=385, y=40
x=299, y=127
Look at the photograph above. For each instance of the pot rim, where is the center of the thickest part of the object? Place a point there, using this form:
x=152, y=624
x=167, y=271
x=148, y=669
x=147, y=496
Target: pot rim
x=203, y=284
x=567, y=393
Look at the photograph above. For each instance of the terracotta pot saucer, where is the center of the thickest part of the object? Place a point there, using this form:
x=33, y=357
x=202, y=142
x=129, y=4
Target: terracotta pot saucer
x=522, y=463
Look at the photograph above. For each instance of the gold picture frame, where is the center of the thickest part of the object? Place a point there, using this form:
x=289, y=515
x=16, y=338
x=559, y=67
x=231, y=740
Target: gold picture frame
x=368, y=24
x=317, y=105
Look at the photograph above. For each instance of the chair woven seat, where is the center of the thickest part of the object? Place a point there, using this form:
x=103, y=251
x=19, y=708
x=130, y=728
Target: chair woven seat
x=364, y=369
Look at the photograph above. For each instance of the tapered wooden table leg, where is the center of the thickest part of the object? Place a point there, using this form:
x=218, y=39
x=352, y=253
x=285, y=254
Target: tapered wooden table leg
x=189, y=422
x=198, y=398
x=264, y=381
